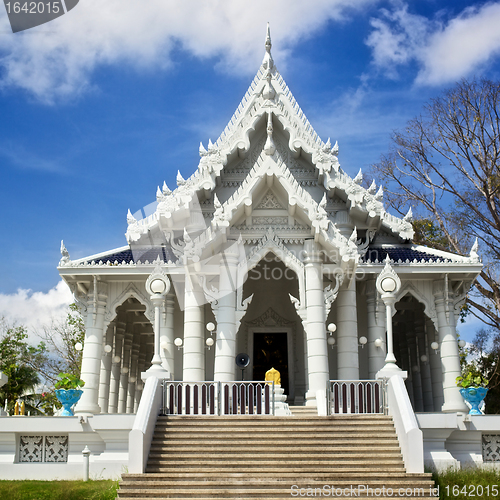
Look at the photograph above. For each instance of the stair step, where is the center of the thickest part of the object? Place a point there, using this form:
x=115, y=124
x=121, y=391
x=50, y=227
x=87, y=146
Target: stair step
x=234, y=493
x=226, y=457
x=284, y=475
x=271, y=448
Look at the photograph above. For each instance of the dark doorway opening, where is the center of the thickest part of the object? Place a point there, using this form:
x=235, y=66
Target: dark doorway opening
x=270, y=350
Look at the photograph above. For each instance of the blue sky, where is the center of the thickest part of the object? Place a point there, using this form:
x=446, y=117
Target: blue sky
x=102, y=105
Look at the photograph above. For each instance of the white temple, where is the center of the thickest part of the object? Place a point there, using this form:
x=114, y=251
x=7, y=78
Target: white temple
x=271, y=249
x=271, y=241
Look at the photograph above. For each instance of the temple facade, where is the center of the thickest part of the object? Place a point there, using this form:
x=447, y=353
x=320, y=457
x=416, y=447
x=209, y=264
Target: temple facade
x=271, y=249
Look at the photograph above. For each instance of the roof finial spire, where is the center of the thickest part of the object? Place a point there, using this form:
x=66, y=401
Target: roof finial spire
x=268, y=39
x=268, y=59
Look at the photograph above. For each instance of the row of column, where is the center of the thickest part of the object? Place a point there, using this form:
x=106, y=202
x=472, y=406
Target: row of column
x=110, y=387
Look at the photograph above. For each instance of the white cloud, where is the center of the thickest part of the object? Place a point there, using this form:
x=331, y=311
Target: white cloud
x=57, y=59
x=465, y=44
x=397, y=38
x=34, y=309
x=443, y=51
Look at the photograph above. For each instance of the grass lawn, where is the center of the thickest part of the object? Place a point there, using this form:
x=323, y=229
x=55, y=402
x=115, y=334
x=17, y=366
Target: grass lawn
x=58, y=490
x=468, y=484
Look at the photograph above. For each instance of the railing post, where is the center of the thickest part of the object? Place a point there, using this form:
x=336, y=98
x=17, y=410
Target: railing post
x=273, y=397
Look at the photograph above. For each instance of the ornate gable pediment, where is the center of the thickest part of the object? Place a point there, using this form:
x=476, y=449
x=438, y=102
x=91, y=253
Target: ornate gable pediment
x=270, y=201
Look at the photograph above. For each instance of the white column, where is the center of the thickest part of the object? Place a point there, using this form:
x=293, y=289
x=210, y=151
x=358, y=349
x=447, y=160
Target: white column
x=347, y=332
x=140, y=383
x=132, y=378
x=122, y=393
x=105, y=376
x=317, y=348
x=425, y=368
x=194, y=332
x=225, y=347
x=418, y=399
x=167, y=336
x=114, y=384
x=448, y=344
x=376, y=330
x=92, y=351
x=436, y=371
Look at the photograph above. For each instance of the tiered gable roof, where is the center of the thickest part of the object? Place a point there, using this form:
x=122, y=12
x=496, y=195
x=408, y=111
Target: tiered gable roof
x=270, y=146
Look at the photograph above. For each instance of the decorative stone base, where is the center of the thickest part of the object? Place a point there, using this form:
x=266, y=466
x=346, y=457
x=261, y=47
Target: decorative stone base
x=281, y=408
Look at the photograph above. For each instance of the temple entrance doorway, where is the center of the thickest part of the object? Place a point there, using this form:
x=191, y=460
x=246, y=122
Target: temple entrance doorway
x=270, y=350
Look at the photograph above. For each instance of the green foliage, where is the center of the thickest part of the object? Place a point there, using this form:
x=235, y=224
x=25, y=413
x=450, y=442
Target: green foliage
x=468, y=478
x=32, y=370
x=58, y=490
x=69, y=381
x=480, y=363
x=19, y=361
x=473, y=378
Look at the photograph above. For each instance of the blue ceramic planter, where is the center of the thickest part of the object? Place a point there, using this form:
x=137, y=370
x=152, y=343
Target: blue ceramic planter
x=68, y=397
x=474, y=396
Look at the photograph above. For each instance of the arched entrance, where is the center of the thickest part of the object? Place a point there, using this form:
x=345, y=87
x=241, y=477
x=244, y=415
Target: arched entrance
x=272, y=332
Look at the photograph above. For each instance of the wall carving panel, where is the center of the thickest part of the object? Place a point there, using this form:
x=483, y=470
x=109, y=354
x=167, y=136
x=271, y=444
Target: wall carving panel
x=37, y=449
x=56, y=449
x=491, y=447
x=30, y=448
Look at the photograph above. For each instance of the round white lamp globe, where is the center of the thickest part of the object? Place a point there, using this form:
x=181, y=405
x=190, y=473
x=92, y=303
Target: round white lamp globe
x=158, y=286
x=388, y=284
x=178, y=342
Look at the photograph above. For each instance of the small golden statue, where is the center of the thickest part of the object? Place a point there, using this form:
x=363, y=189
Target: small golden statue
x=273, y=375
x=19, y=408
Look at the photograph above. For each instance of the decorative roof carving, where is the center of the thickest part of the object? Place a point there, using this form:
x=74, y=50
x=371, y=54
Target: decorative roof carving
x=65, y=259
x=270, y=201
x=270, y=318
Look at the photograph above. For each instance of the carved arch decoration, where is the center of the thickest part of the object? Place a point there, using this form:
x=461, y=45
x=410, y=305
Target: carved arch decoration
x=272, y=243
x=130, y=291
x=418, y=292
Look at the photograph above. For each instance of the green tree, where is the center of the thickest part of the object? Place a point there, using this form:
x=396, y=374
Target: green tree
x=33, y=370
x=20, y=362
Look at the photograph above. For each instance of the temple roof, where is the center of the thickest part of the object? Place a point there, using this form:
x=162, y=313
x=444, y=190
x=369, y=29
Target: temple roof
x=270, y=107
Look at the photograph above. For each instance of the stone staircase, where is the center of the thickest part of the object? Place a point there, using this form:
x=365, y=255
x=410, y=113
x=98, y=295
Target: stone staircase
x=304, y=411
x=273, y=458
